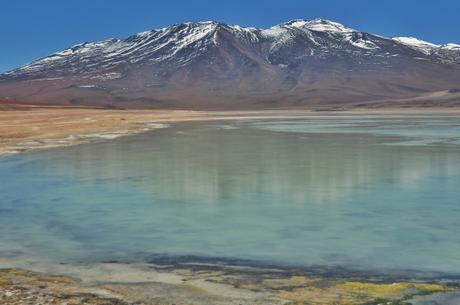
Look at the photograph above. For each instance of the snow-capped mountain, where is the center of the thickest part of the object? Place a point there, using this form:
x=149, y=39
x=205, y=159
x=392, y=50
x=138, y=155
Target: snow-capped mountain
x=211, y=64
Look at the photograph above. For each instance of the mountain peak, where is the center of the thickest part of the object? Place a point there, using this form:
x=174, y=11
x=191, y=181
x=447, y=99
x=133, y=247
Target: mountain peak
x=211, y=63
x=319, y=25
x=204, y=23
x=296, y=22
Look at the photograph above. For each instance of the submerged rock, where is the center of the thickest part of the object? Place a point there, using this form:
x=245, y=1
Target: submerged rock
x=449, y=298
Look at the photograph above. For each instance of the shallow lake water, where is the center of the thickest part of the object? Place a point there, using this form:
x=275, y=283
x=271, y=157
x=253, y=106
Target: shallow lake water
x=365, y=193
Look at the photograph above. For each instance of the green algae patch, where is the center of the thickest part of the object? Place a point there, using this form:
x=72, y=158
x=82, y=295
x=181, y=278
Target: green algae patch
x=432, y=288
x=337, y=292
x=393, y=289
x=320, y=290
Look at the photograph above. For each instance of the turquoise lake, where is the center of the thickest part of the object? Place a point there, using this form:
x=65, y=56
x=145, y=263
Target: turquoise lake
x=359, y=192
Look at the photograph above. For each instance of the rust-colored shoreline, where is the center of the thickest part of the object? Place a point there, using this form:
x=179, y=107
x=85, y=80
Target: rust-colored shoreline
x=23, y=129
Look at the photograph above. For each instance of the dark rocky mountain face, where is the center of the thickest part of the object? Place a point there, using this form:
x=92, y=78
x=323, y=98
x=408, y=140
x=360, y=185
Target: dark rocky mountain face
x=210, y=65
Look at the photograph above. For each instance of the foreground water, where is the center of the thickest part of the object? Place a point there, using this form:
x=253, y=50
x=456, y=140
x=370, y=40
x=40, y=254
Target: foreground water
x=367, y=193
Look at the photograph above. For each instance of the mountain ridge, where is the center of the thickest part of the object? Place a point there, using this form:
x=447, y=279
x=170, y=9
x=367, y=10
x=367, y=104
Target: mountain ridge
x=298, y=63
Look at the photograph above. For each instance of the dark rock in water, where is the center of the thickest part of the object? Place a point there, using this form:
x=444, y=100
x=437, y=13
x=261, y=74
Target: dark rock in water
x=231, y=265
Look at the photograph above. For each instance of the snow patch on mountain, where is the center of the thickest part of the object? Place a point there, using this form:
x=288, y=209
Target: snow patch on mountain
x=417, y=44
x=359, y=40
x=451, y=46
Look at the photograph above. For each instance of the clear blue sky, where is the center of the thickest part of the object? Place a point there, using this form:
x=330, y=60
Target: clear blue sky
x=30, y=28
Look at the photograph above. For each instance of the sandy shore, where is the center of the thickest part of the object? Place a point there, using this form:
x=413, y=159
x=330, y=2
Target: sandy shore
x=23, y=128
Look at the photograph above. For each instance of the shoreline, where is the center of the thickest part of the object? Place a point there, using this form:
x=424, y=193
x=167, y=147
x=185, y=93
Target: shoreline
x=180, y=281
x=26, y=128
x=41, y=128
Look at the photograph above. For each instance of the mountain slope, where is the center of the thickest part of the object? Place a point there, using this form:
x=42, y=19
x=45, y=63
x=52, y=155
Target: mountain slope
x=207, y=65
